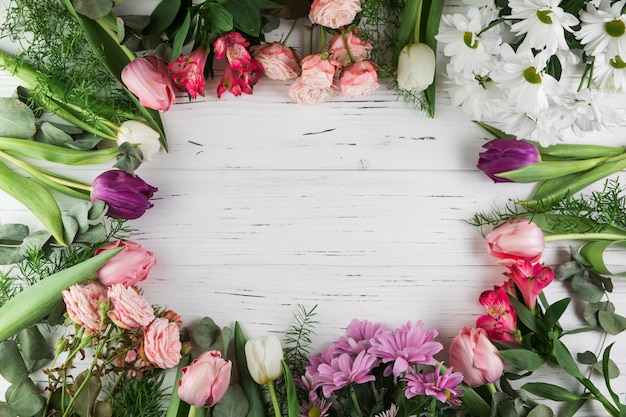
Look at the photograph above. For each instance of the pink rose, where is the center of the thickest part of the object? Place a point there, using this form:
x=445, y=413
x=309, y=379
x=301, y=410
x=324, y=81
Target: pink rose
x=517, y=241
x=472, y=354
x=148, y=79
x=334, y=13
x=359, y=79
x=319, y=70
x=278, y=61
x=205, y=381
x=303, y=93
x=128, y=267
x=130, y=309
x=359, y=49
x=161, y=343
x=83, y=305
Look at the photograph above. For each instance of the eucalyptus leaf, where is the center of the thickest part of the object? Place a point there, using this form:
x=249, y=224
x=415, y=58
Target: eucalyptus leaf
x=587, y=358
x=95, y=234
x=612, y=367
x=11, y=238
x=206, y=333
x=23, y=398
x=70, y=228
x=80, y=213
x=86, y=398
x=611, y=322
x=86, y=143
x=291, y=9
x=48, y=133
x=590, y=313
x=16, y=119
x=12, y=366
x=541, y=410
x=568, y=270
x=103, y=409
x=232, y=404
x=97, y=210
x=93, y=9
x=35, y=241
x=137, y=23
x=6, y=411
x=33, y=345
x=587, y=289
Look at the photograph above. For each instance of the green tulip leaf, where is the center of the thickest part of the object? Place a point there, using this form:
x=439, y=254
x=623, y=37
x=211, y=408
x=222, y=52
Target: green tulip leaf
x=35, y=197
x=576, y=151
x=546, y=170
x=541, y=411
x=593, y=252
x=293, y=405
x=16, y=119
x=12, y=366
x=611, y=322
x=232, y=404
x=550, y=391
x=48, y=133
x=33, y=345
x=522, y=359
x=23, y=398
x=6, y=411
x=176, y=407
x=57, y=154
x=250, y=387
x=86, y=398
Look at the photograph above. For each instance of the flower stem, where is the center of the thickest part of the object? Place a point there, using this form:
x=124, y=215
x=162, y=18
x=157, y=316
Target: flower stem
x=584, y=236
x=293, y=26
x=275, y=406
x=600, y=397
x=345, y=43
x=355, y=401
x=192, y=411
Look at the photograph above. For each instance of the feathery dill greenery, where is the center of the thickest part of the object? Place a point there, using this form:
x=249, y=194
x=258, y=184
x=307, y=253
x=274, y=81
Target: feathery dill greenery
x=51, y=41
x=598, y=210
x=143, y=397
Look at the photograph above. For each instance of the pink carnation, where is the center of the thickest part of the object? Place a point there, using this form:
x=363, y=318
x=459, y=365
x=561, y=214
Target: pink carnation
x=130, y=309
x=162, y=343
x=83, y=305
x=334, y=13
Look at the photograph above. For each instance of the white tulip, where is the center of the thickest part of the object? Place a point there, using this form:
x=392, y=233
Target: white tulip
x=263, y=356
x=416, y=67
x=142, y=135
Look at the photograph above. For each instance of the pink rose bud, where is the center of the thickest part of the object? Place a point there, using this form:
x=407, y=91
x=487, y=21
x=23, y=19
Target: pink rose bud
x=205, y=381
x=359, y=49
x=472, y=354
x=83, y=305
x=334, y=13
x=359, y=79
x=516, y=241
x=161, y=344
x=130, y=309
x=303, y=93
x=129, y=267
x=319, y=70
x=279, y=62
x=148, y=79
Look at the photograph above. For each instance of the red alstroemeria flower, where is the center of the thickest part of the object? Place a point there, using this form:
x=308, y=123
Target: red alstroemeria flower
x=187, y=72
x=530, y=278
x=233, y=47
x=500, y=322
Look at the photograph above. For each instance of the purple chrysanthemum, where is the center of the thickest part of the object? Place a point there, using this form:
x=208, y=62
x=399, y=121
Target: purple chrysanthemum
x=444, y=387
x=407, y=346
x=359, y=335
x=344, y=370
x=315, y=408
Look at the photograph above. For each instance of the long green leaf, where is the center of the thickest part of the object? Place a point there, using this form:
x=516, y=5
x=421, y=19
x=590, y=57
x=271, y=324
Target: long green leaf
x=36, y=198
x=546, y=170
x=176, y=407
x=550, y=391
x=522, y=359
x=35, y=302
x=431, y=28
x=293, y=406
x=593, y=252
x=249, y=385
x=56, y=154
x=554, y=312
x=564, y=358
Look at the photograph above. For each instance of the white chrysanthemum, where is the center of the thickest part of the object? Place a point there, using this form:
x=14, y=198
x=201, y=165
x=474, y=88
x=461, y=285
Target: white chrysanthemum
x=522, y=76
x=488, y=8
x=541, y=127
x=542, y=22
x=468, y=51
x=603, y=29
x=610, y=74
x=587, y=113
x=473, y=96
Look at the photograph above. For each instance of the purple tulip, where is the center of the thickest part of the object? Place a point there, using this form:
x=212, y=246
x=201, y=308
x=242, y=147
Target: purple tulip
x=506, y=154
x=126, y=195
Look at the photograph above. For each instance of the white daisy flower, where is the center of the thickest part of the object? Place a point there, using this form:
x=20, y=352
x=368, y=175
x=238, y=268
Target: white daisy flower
x=487, y=7
x=522, y=75
x=587, y=112
x=470, y=92
x=603, y=29
x=541, y=127
x=468, y=51
x=542, y=22
x=610, y=74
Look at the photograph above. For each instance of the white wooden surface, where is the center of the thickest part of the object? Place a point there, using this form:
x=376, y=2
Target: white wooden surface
x=358, y=207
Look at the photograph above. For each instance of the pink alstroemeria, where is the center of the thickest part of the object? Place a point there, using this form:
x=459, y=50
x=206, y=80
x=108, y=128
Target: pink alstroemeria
x=344, y=370
x=500, y=322
x=359, y=335
x=443, y=386
x=530, y=279
x=233, y=47
x=407, y=346
x=187, y=72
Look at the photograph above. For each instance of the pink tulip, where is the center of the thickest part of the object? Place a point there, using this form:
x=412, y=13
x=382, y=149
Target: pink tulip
x=530, y=279
x=205, y=381
x=148, y=79
x=515, y=242
x=130, y=309
x=319, y=70
x=83, y=305
x=161, y=344
x=129, y=267
x=334, y=13
x=359, y=79
x=359, y=49
x=472, y=354
x=279, y=62
x=188, y=72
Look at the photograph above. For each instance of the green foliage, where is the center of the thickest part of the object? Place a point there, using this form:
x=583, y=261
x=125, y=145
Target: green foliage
x=144, y=397
x=252, y=390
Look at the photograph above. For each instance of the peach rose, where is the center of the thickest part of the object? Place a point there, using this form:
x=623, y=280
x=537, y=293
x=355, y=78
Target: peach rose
x=130, y=309
x=129, y=266
x=359, y=79
x=319, y=70
x=278, y=61
x=83, y=305
x=359, y=49
x=303, y=93
x=334, y=13
x=161, y=344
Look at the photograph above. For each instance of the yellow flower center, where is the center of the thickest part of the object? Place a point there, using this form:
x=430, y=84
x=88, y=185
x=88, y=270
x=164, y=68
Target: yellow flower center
x=615, y=28
x=468, y=38
x=617, y=62
x=315, y=412
x=544, y=16
x=530, y=75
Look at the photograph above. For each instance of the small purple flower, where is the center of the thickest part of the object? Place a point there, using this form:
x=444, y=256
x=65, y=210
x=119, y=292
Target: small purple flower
x=315, y=408
x=407, y=346
x=344, y=370
x=359, y=335
x=444, y=387
x=506, y=154
x=126, y=195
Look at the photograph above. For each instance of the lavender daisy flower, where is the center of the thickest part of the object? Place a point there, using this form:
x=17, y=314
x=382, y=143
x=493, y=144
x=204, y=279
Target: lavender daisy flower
x=359, y=335
x=344, y=370
x=315, y=408
x=407, y=346
x=444, y=387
